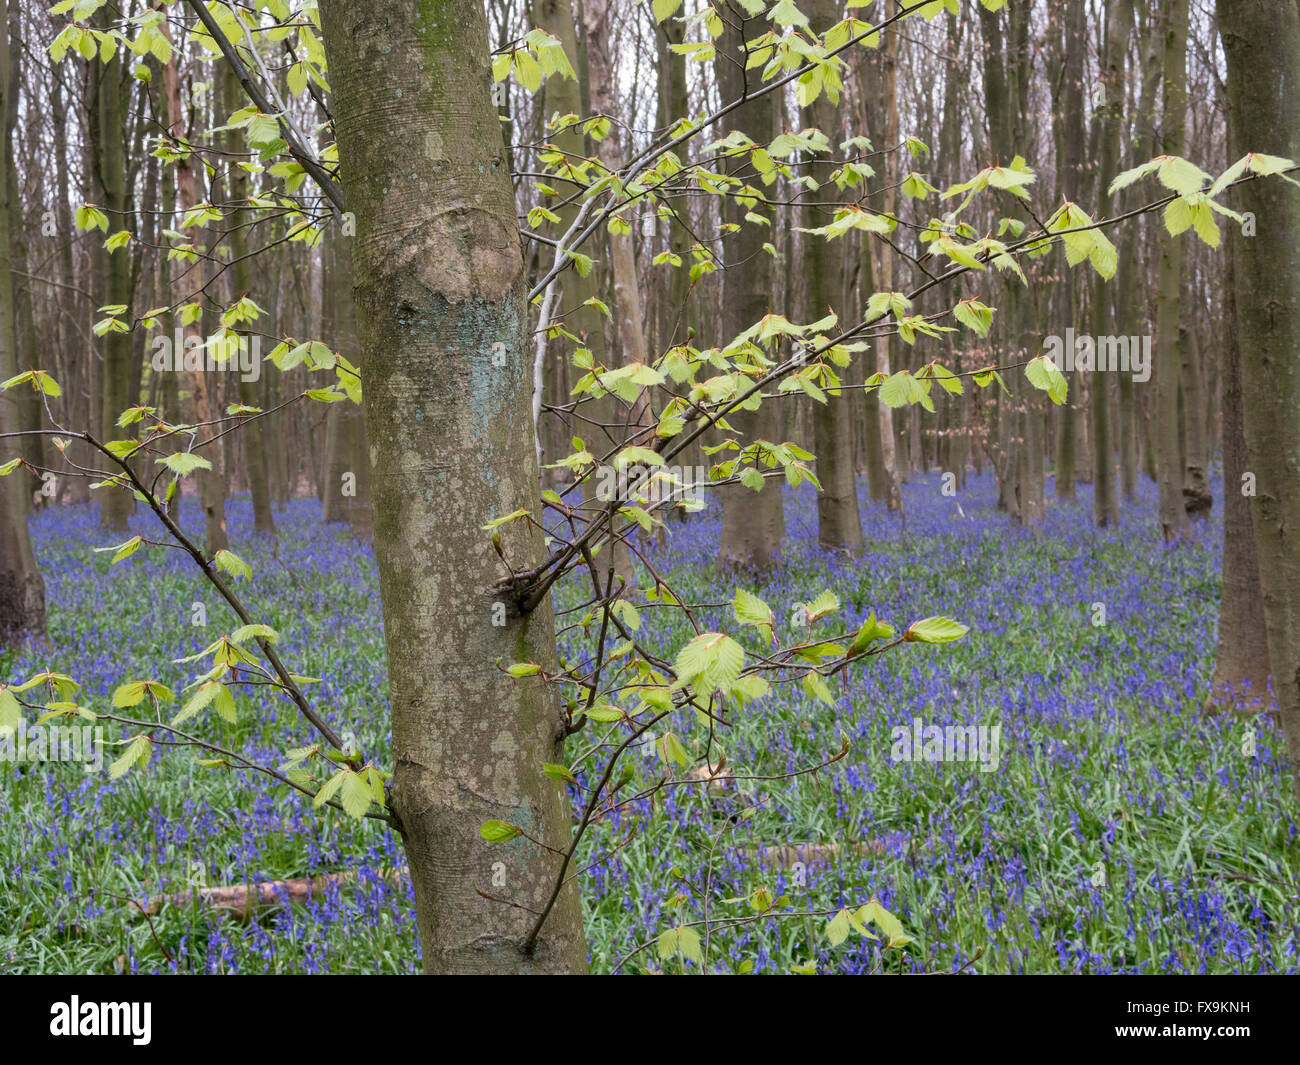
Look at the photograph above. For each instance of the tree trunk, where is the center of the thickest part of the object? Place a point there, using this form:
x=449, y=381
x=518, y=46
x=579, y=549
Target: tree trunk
x=753, y=524
x=22, y=589
x=439, y=282
x=628, y=311
x=1241, y=669
x=1105, y=503
x=1168, y=369
x=107, y=140
x=212, y=486
x=1261, y=39
x=838, y=523
x=253, y=434
x=1198, y=500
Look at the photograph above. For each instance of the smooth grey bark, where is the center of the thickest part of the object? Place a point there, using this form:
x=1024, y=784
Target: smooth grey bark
x=1110, y=119
x=107, y=136
x=253, y=434
x=440, y=288
x=839, y=524
x=1069, y=126
x=1241, y=666
x=22, y=589
x=753, y=524
x=1168, y=368
x=211, y=483
x=1261, y=39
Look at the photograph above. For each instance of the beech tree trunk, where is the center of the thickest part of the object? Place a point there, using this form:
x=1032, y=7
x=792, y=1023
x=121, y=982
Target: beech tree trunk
x=22, y=589
x=440, y=287
x=1168, y=369
x=753, y=524
x=1105, y=502
x=211, y=483
x=1241, y=669
x=839, y=524
x=254, y=433
x=1261, y=39
x=107, y=136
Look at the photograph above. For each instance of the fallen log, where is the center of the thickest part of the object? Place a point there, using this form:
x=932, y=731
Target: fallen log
x=788, y=854
x=242, y=900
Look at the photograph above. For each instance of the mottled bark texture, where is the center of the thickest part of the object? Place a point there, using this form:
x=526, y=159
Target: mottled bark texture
x=207, y=409
x=1168, y=369
x=22, y=590
x=440, y=287
x=753, y=524
x=1241, y=669
x=838, y=523
x=108, y=136
x=1261, y=39
x=254, y=432
x=1110, y=122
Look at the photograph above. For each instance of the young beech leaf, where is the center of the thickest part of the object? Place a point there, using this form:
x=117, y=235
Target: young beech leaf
x=498, y=831
x=935, y=630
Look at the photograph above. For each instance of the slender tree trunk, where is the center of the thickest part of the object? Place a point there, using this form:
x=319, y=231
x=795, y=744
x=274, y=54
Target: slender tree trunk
x=838, y=523
x=1197, y=497
x=439, y=281
x=253, y=434
x=1241, y=669
x=884, y=265
x=753, y=524
x=1070, y=105
x=882, y=485
x=1168, y=432
x=212, y=486
x=1119, y=28
x=674, y=309
x=628, y=312
x=107, y=137
x=22, y=589
x=565, y=96
x=1261, y=39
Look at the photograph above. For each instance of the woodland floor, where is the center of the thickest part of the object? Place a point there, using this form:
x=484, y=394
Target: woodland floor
x=1105, y=758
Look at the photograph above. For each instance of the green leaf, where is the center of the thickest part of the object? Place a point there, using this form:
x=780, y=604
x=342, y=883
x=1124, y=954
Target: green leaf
x=11, y=711
x=974, y=315
x=205, y=695
x=712, y=658
x=183, y=463
x=874, y=913
x=248, y=632
x=123, y=550
x=133, y=694
x=870, y=631
x=751, y=610
x=138, y=750
x=837, y=928
x=559, y=772
x=935, y=630
x=355, y=794
x=672, y=751
x=826, y=603
x=683, y=940
x=328, y=789
x=1042, y=373
x=234, y=565
x=499, y=831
